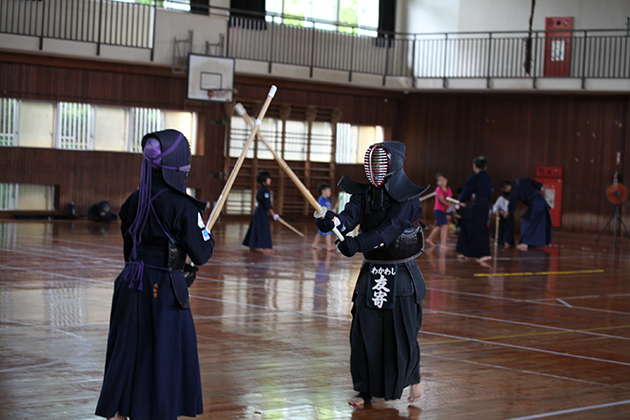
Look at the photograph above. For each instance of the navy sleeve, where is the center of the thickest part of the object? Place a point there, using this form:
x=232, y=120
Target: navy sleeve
x=264, y=198
x=399, y=217
x=124, y=225
x=515, y=195
x=469, y=189
x=352, y=212
x=196, y=240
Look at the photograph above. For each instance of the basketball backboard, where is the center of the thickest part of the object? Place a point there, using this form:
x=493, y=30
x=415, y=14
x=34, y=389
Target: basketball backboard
x=210, y=78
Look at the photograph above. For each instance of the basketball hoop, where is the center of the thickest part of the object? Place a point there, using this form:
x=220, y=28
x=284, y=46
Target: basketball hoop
x=210, y=93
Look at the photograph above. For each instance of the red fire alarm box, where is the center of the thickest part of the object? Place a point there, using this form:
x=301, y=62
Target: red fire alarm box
x=552, y=178
x=558, y=46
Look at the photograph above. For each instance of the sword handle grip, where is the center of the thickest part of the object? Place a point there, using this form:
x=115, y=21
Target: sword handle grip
x=321, y=213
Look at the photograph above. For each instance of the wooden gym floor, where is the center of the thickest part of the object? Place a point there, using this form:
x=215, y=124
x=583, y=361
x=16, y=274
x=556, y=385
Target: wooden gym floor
x=538, y=335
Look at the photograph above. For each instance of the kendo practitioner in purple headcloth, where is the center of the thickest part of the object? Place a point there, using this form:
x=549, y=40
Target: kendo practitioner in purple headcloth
x=387, y=310
x=536, y=227
x=152, y=366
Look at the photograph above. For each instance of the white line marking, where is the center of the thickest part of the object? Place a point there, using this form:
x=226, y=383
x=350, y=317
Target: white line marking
x=527, y=348
x=564, y=303
x=572, y=410
x=529, y=324
x=547, y=375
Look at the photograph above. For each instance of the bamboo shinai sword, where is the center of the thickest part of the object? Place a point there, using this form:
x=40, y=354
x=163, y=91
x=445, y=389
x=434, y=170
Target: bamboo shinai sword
x=228, y=185
x=320, y=211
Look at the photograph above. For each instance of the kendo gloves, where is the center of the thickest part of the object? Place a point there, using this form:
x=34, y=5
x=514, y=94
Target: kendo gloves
x=364, y=242
x=190, y=273
x=326, y=223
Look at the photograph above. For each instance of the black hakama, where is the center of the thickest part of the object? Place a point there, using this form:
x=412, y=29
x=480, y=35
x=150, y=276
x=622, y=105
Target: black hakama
x=385, y=355
x=473, y=240
x=536, y=228
x=152, y=367
x=536, y=223
x=506, y=230
x=259, y=231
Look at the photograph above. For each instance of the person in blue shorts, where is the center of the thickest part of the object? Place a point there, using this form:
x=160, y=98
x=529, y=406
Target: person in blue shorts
x=442, y=192
x=324, y=192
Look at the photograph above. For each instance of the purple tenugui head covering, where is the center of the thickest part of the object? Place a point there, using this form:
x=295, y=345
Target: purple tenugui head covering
x=170, y=151
x=173, y=156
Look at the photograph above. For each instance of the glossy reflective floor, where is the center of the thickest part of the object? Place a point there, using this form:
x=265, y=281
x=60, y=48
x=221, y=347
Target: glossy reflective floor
x=538, y=334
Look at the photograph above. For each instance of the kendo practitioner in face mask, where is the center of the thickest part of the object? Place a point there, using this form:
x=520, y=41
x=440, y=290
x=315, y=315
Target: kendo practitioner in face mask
x=152, y=367
x=387, y=310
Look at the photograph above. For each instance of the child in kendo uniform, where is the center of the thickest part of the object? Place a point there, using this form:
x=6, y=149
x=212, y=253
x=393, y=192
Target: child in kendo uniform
x=258, y=235
x=152, y=366
x=387, y=298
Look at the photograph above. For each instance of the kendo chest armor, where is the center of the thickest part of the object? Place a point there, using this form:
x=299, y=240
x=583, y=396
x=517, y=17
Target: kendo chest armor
x=409, y=245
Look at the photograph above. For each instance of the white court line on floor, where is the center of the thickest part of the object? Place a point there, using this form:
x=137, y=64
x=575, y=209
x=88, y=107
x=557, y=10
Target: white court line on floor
x=425, y=332
x=527, y=324
x=571, y=410
x=87, y=346
x=529, y=372
x=514, y=346
x=564, y=303
x=480, y=295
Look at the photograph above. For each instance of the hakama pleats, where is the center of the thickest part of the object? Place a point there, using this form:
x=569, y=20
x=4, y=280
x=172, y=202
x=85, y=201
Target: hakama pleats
x=536, y=228
x=385, y=356
x=152, y=367
x=473, y=240
x=259, y=231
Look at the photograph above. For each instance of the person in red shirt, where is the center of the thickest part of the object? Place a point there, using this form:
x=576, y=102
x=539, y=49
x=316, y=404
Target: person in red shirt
x=439, y=211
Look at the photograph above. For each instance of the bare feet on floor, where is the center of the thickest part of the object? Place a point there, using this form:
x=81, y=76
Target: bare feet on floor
x=316, y=247
x=268, y=251
x=462, y=257
x=506, y=246
x=359, y=400
x=416, y=392
x=431, y=243
x=117, y=417
x=484, y=259
x=522, y=247
x=332, y=248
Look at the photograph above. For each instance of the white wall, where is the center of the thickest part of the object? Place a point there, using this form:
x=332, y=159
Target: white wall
x=205, y=28
x=35, y=197
x=36, y=124
x=510, y=15
x=186, y=122
x=425, y=16
x=111, y=129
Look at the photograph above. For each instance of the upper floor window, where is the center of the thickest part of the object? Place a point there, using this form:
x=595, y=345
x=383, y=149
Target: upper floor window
x=9, y=121
x=143, y=121
x=353, y=141
x=349, y=12
x=75, y=126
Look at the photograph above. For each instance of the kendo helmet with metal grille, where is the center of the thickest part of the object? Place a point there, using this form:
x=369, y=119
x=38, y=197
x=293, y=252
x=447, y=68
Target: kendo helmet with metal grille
x=376, y=164
x=383, y=166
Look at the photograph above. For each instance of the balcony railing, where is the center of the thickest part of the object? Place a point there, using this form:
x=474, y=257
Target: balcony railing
x=100, y=22
x=316, y=44
x=582, y=54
